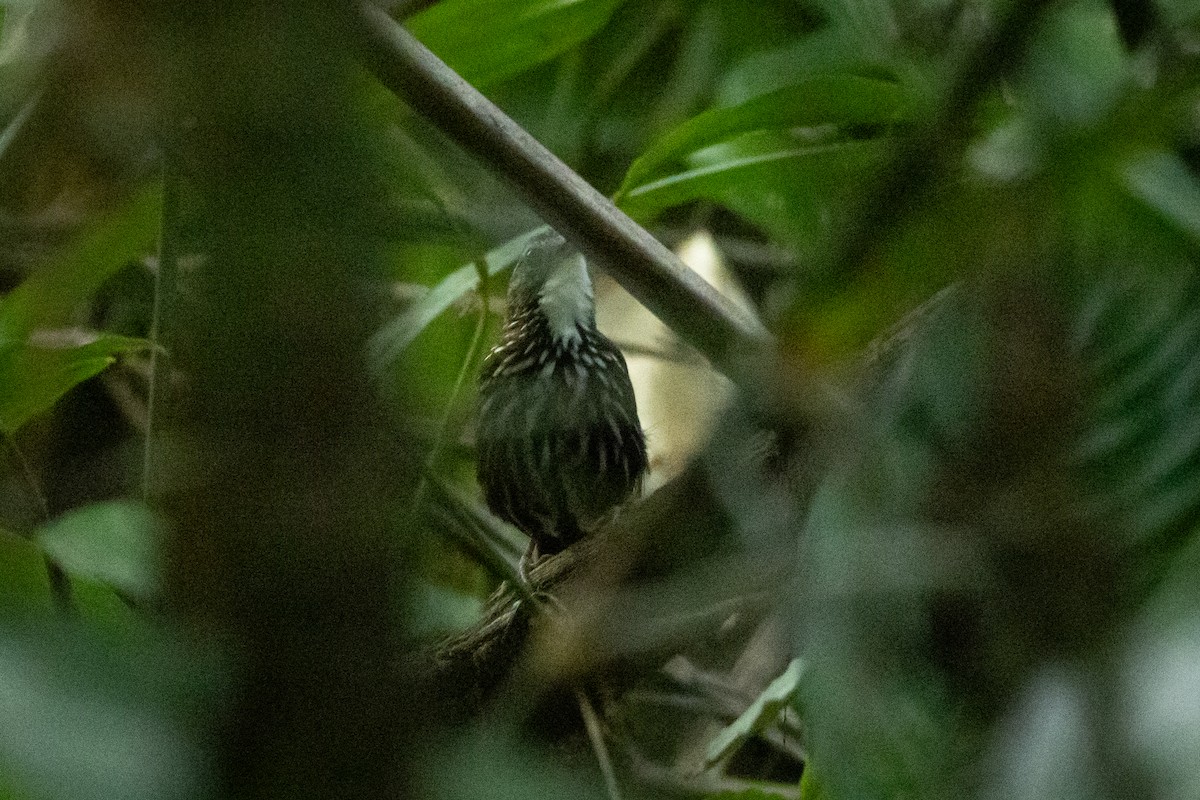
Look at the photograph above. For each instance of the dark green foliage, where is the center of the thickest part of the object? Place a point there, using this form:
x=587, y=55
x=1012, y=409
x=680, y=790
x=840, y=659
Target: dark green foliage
x=963, y=493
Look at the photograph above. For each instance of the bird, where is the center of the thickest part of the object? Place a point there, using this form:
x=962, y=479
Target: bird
x=560, y=448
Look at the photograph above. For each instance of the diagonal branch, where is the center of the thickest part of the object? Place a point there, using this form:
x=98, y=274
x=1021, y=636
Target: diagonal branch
x=638, y=261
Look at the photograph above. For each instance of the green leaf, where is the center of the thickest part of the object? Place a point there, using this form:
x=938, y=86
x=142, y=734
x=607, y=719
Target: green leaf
x=825, y=100
x=1161, y=180
x=756, y=793
x=1141, y=444
x=34, y=376
x=787, y=186
x=115, y=543
x=486, y=41
x=386, y=346
x=737, y=167
x=831, y=49
x=51, y=293
x=437, y=611
x=97, y=717
x=761, y=714
x=1077, y=66
x=24, y=585
x=810, y=786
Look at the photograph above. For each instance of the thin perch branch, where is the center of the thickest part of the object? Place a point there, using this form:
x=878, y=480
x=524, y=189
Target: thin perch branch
x=640, y=263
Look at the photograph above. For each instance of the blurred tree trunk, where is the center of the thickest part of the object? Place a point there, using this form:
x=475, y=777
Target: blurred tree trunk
x=278, y=488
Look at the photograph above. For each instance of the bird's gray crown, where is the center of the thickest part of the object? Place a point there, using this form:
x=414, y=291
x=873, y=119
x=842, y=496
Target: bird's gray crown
x=553, y=274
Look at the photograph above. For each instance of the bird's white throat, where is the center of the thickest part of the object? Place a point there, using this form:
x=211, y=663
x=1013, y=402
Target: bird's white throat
x=566, y=299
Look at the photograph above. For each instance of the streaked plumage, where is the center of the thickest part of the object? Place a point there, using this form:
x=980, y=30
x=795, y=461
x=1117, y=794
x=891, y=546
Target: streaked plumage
x=559, y=444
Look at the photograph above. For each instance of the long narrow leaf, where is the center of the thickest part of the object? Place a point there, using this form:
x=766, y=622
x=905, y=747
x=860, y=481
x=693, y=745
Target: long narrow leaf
x=736, y=170
x=825, y=100
x=393, y=339
x=761, y=714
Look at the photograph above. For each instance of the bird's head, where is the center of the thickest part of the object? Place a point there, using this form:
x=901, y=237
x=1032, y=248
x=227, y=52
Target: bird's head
x=553, y=275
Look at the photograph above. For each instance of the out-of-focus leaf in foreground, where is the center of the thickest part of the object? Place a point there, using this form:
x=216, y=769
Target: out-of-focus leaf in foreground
x=89, y=718
x=24, y=587
x=486, y=42
x=1162, y=669
x=1163, y=181
x=1139, y=333
x=48, y=297
x=1046, y=747
x=510, y=771
x=39, y=361
x=115, y=543
x=1033, y=473
x=34, y=376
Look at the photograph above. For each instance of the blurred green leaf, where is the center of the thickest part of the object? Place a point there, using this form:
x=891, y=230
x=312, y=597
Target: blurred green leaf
x=1128, y=470
x=106, y=608
x=871, y=21
x=438, y=611
x=500, y=760
x=867, y=576
x=1077, y=64
x=114, y=542
x=1047, y=744
x=1179, y=12
x=825, y=100
x=1138, y=331
x=486, y=41
x=386, y=346
x=787, y=185
x=1163, y=667
x=24, y=585
x=33, y=377
x=830, y=50
x=810, y=786
x=752, y=794
x=1009, y=151
x=1163, y=181
x=95, y=719
x=49, y=295
x=761, y=714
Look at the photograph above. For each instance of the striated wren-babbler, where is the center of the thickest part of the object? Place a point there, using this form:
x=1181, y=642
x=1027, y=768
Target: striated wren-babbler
x=560, y=447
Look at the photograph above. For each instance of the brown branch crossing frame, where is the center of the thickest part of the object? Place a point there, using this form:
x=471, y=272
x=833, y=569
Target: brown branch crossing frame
x=639, y=262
